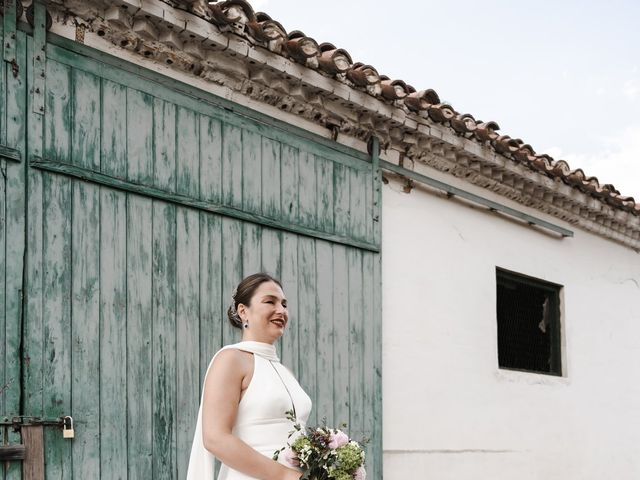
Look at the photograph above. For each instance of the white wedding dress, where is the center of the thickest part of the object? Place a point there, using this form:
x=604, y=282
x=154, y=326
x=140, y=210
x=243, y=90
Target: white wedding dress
x=261, y=421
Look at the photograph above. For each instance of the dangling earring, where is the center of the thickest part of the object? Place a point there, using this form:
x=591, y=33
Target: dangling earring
x=246, y=324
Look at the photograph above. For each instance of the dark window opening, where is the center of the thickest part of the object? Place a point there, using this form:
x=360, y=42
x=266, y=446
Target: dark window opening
x=528, y=313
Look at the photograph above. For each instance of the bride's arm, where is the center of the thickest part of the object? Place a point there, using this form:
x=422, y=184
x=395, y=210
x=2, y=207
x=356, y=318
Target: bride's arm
x=222, y=390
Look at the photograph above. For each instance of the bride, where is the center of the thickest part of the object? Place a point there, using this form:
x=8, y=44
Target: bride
x=247, y=391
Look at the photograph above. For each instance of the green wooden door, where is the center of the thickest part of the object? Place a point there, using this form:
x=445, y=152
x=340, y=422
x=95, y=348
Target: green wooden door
x=146, y=202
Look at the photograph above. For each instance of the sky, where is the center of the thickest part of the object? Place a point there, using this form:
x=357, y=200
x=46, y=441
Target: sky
x=563, y=75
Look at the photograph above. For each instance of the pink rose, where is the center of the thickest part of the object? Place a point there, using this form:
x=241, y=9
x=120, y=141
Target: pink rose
x=338, y=439
x=291, y=457
x=360, y=474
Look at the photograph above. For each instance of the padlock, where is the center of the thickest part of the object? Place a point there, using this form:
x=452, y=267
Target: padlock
x=67, y=427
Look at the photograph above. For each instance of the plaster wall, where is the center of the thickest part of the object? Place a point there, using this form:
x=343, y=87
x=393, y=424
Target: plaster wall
x=449, y=412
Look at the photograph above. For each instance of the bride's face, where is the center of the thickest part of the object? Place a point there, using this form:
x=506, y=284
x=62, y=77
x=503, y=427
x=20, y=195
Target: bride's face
x=266, y=314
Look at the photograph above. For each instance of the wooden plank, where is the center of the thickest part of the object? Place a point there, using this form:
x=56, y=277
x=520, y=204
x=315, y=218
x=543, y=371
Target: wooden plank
x=187, y=332
x=14, y=230
x=113, y=326
x=307, y=317
x=341, y=302
x=114, y=130
x=251, y=248
x=290, y=353
x=231, y=274
x=4, y=377
x=140, y=146
x=307, y=190
x=57, y=322
x=356, y=345
x=11, y=453
x=357, y=204
x=370, y=379
x=9, y=14
x=33, y=323
x=3, y=95
x=188, y=146
x=324, y=195
x=78, y=172
x=271, y=255
x=271, y=202
x=33, y=464
x=341, y=199
x=271, y=247
x=377, y=362
x=324, y=339
x=10, y=154
x=85, y=328
x=57, y=119
x=251, y=172
x=139, y=334
x=210, y=159
x=85, y=272
x=85, y=130
x=164, y=127
x=164, y=341
x=40, y=59
x=376, y=194
x=231, y=166
x=369, y=209
x=14, y=216
x=289, y=174
x=212, y=317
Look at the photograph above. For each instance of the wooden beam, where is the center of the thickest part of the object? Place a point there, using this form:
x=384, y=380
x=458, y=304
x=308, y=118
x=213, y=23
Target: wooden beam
x=10, y=453
x=152, y=192
x=33, y=464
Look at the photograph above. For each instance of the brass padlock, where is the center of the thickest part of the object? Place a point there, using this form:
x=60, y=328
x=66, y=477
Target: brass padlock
x=67, y=427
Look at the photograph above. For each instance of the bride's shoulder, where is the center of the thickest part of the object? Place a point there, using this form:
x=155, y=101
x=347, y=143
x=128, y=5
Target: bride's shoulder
x=233, y=358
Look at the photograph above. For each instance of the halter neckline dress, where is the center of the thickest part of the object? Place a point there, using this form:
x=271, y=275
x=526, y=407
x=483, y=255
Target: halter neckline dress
x=261, y=420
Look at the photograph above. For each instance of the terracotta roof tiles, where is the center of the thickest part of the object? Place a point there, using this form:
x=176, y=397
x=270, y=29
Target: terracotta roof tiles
x=326, y=58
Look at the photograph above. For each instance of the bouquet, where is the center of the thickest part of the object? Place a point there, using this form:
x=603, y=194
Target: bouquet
x=323, y=453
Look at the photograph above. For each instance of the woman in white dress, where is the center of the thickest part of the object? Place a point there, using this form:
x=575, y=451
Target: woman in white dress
x=247, y=392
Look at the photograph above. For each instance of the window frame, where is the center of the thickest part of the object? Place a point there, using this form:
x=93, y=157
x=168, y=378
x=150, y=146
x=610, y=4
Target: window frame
x=556, y=319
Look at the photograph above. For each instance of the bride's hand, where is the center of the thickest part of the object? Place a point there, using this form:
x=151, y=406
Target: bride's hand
x=292, y=474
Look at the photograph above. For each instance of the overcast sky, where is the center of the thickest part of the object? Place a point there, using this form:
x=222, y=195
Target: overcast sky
x=562, y=75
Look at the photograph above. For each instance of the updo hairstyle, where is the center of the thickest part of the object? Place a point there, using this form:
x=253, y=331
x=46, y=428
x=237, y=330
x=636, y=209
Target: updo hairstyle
x=243, y=294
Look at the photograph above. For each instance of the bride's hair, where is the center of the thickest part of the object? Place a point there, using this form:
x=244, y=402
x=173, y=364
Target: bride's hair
x=244, y=292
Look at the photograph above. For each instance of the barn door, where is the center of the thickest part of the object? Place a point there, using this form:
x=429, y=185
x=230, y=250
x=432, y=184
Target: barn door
x=146, y=202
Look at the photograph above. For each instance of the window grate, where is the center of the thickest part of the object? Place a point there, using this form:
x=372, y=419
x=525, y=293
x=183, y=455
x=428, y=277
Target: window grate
x=528, y=312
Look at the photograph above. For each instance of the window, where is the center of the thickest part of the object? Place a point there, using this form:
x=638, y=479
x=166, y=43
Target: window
x=528, y=323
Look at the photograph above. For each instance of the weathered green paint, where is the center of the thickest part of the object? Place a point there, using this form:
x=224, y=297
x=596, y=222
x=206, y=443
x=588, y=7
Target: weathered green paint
x=163, y=364
x=56, y=327
x=139, y=334
x=9, y=154
x=114, y=69
x=3, y=103
x=144, y=201
x=9, y=23
x=85, y=327
x=113, y=324
x=376, y=187
x=12, y=244
x=187, y=331
x=106, y=180
x=40, y=58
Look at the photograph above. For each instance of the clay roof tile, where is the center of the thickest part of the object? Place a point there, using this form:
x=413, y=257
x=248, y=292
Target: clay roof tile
x=421, y=100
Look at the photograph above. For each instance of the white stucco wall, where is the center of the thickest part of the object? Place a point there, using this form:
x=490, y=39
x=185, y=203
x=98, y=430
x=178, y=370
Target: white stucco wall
x=449, y=412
